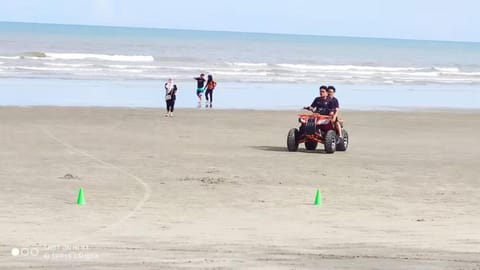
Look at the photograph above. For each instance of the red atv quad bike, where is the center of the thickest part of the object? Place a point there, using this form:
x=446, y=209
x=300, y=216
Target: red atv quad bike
x=316, y=128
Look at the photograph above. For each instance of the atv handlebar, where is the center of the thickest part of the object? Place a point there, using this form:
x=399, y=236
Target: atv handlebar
x=310, y=108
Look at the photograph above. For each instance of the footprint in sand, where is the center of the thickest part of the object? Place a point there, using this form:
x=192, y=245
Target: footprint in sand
x=69, y=176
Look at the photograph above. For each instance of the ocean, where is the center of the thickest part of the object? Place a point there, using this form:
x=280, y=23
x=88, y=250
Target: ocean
x=253, y=70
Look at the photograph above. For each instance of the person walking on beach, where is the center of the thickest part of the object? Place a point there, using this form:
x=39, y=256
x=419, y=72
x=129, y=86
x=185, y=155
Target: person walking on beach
x=170, y=98
x=200, y=87
x=211, y=84
x=336, y=107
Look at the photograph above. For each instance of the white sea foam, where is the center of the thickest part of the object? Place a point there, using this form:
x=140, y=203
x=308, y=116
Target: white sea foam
x=38, y=68
x=353, y=69
x=185, y=68
x=10, y=57
x=133, y=70
x=241, y=74
x=105, y=57
x=346, y=67
x=148, y=67
x=88, y=66
x=469, y=73
x=119, y=66
x=131, y=66
x=447, y=69
x=67, y=65
x=248, y=64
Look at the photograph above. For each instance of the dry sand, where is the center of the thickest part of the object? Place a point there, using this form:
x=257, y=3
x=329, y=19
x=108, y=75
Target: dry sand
x=217, y=189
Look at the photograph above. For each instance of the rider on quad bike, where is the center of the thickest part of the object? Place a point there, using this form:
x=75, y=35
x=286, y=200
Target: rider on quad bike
x=321, y=104
x=318, y=127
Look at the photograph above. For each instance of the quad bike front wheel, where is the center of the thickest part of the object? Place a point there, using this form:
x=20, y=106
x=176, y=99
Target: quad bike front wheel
x=330, y=141
x=292, y=140
x=342, y=144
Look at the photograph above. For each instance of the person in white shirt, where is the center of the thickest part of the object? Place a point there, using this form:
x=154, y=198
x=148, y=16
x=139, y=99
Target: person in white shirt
x=168, y=96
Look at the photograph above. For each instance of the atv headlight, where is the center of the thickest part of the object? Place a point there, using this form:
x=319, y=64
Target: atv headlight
x=323, y=121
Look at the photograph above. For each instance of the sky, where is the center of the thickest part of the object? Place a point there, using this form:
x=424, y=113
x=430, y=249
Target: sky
x=407, y=19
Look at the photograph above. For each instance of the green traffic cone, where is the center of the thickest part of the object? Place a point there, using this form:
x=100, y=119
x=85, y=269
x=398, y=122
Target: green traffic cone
x=318, y=198
x=80, y=198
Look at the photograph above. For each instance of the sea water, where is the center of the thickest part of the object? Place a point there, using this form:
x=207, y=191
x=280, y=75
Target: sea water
x=45, y=64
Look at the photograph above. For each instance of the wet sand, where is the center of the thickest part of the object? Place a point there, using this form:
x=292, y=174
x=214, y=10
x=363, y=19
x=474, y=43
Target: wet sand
x=217, y=189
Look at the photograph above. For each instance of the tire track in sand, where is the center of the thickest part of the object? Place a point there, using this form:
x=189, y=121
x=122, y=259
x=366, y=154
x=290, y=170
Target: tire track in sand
x=147, y=191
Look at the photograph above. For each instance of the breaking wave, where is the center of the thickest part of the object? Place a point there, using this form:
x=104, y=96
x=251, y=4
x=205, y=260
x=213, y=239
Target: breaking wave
x=105, y=66
x=88, y=56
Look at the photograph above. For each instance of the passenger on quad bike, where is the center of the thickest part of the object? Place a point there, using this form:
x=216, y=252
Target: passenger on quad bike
x=336, y=107
x=321, y=104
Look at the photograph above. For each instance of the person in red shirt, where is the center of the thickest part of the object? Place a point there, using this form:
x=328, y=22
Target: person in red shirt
x=211, y=84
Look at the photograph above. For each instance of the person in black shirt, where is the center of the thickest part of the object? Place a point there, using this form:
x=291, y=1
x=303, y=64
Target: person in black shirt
x=170, y=99
x=336, y=107
x=321, y=104
x=200, y=87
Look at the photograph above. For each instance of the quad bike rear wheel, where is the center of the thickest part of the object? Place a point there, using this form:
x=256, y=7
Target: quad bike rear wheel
x=330, y=141
x=342, y=144
x=292, y=140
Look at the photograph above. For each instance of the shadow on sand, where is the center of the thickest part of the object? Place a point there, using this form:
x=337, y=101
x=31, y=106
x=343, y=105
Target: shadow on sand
x=284, y=149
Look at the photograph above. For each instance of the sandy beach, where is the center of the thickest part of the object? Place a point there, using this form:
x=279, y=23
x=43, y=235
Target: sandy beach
x=216, y=189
